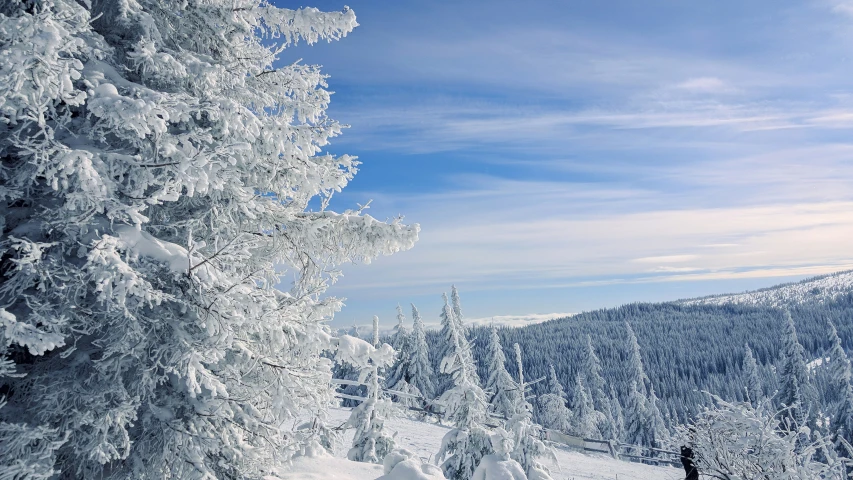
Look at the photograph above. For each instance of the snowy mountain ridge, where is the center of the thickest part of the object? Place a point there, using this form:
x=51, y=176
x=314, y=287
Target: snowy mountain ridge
x=817, y=289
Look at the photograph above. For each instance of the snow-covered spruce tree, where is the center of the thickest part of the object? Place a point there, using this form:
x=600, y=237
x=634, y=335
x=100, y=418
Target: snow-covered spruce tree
x=838, y=366
x=401, y=333
x=636, y=417
x=585, y=418
x=658, y=432
x=451, y=327
x=636, y=372
x=465, y=406
x=617, y=415
x=502, y=390
x=370, y=442
x=841, y=414
x=591, y=367
x=157, y=174
x=553, y=412
x=794, y=384
x=456, y=305
x=742, y=441
x=527, y=447
x=751, y=379
x=420, y=366
x=398, y=377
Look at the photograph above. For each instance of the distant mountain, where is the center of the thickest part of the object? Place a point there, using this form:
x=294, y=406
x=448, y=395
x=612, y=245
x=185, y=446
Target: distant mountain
x=817, y=289
x=688, y=346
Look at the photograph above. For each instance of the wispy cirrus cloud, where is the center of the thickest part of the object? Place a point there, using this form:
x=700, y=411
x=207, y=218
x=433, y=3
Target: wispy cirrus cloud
x=590, y=145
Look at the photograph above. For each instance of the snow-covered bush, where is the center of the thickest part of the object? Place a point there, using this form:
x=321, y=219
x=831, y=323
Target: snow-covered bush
x=739, y=441
x=402, y=464
x=499, y=465
x=157, y=172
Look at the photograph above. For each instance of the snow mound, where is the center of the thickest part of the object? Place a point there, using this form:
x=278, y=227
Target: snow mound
x=493, y=467
x=402, y=464
x=327, y=468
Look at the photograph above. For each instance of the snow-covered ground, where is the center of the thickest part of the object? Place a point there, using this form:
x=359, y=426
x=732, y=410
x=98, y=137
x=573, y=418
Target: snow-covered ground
x=424, y=439
x=818, y=289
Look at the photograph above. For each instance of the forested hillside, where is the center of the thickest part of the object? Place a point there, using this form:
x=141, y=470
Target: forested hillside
x=685, y=348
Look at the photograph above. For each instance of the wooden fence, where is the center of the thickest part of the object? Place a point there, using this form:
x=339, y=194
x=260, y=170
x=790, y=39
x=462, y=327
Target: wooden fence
x=618, y=450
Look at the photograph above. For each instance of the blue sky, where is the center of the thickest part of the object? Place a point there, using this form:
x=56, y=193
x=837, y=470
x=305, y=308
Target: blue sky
x=562, y=156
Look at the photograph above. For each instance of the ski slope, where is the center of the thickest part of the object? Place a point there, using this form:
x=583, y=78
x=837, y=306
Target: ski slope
x=424, y=439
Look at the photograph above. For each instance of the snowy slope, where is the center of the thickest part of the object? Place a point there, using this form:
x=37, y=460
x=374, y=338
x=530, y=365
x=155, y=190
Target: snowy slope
x=425, y=438
x=817, y=289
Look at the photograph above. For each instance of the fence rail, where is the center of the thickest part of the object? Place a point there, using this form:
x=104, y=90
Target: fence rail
x=613, y=448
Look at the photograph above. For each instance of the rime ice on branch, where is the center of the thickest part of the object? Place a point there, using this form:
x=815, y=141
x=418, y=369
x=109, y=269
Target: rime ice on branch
x=157, y=171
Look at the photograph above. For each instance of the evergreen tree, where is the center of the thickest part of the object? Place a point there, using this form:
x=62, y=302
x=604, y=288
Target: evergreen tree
x=420, y=367
x=554, y=414
x=503, y=391
x=657, y=434
x=841, y=420
x=595, y=388
x=465, y=405
x=838, y=366
x=401, y=333
x=636, y=417
x=636, y=371
x=794, y=376
x=585, y=418
x=527, y=447
x=617, y=416
x=752, y=380
x=159, y=177
x=399, y=376
x=457, y=308
x=370, y=443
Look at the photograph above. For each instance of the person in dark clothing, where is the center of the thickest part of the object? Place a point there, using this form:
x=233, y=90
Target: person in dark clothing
x=687, y=461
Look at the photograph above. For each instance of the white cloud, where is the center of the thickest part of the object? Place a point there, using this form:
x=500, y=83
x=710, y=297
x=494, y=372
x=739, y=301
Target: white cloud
x=843, y=7
x=705, y=84
x=666, y=259
x=516, y=320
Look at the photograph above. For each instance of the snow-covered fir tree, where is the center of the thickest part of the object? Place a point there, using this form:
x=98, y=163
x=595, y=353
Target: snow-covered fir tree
x=636, y=417
x=553, y=412
x=401, y=333
x=636, y=371
x=399, y=375
x=504, y=393
x=527, y=447
x=837, y=365
x=465, y=405
x=450, y=327
x=794, y=385
x=841, y=413
x=585, y=418
x=420, y=366
x=371, y=443
x=594, y=382
x=617, y=416
x=158, y=167
x=751, y=379
x=657, y=434
x=456, y=306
